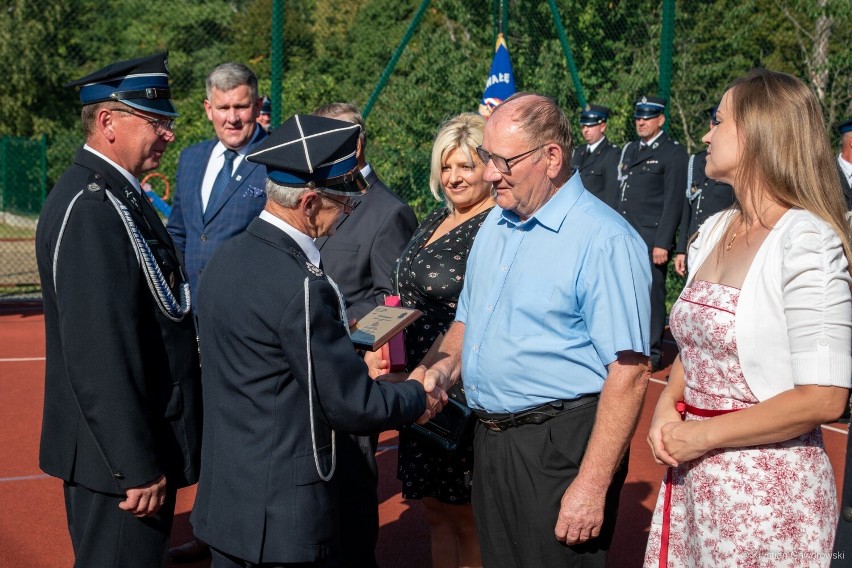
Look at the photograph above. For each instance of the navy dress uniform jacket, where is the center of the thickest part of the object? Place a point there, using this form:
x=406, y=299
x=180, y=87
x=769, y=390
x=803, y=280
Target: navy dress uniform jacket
x=599, y=169
x=715, y=196
x=122, y=391
x=362, y=253
x=652, y=193
x=241, y=201
x=260, y=497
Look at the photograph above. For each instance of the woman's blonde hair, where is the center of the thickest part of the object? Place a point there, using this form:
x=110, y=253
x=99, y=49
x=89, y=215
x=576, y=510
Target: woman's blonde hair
x=785, y=148
x=465, y=132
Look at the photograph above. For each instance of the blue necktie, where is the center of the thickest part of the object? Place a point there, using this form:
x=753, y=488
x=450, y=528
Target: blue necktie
x=220, y=183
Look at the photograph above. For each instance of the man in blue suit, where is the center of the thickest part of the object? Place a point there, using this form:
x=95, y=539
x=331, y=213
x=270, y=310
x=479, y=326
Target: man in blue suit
x=218, y=191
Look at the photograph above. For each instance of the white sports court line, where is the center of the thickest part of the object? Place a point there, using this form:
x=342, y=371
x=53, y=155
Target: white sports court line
x=24, y=477
x=21, y=359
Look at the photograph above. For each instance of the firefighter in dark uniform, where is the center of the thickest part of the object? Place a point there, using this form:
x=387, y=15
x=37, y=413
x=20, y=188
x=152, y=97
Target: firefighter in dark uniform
x=704, y=197
x=597, y=160
x=844, y=160
x=652, y=175
x=281, y=375
x=122, y=400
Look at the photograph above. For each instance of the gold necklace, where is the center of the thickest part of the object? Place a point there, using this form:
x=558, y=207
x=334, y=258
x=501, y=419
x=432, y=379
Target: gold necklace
x=747, y=227
x=731, y=242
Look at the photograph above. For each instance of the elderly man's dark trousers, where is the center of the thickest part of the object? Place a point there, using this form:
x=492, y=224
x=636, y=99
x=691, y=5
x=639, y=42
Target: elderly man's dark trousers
x=357, y=471
x=107, y=537
x=520, y=476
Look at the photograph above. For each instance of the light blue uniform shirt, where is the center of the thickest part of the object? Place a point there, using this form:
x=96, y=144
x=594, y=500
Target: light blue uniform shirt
x=548, y=302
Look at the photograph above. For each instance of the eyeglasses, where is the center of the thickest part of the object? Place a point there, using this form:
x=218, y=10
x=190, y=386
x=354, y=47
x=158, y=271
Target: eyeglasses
x=501, y=163
x=347, y=202
x=161, y=125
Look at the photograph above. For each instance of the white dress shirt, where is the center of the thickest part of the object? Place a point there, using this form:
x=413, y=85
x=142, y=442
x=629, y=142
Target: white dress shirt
x=305, y=242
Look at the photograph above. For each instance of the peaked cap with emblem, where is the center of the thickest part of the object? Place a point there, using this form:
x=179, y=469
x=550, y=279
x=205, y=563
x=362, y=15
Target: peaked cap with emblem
x=594, y=114
x=845, y=126
x=649, y=107
x=266, y=106
x=141, y=83
x=315, y=152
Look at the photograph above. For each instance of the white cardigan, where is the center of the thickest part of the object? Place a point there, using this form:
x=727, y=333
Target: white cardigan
x=794, y=313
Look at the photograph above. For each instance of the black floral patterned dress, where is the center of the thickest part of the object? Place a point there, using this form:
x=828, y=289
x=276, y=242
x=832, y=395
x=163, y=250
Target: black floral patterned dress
x=430, y=278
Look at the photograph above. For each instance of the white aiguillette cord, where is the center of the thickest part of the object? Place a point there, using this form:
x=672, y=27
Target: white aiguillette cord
x=330, y=474
x=173, y=308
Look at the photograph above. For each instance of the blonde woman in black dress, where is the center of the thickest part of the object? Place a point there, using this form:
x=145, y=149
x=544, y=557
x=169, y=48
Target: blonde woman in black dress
x=429, y=277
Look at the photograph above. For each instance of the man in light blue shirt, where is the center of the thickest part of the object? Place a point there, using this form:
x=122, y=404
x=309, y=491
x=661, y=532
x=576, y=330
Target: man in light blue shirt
x=552, y=338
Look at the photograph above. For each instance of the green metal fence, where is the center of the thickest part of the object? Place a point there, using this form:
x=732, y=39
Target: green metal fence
x=22, y=189
x=308, y=53
x=23, y=175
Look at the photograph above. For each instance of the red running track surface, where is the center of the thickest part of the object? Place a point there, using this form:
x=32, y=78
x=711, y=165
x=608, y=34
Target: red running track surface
x=33, y=532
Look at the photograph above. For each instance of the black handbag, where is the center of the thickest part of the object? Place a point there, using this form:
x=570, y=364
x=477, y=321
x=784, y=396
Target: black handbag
x=447, y=431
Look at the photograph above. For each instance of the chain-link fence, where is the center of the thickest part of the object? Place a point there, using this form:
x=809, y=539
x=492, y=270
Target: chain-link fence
x=22, y=190
x=599, y=51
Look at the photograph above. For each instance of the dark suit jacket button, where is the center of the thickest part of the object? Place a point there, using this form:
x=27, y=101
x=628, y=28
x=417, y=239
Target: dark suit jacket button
x=203, y=237
x=118, y=475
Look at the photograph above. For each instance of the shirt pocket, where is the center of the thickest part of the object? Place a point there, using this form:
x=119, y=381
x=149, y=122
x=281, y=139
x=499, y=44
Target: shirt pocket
x=535, y=311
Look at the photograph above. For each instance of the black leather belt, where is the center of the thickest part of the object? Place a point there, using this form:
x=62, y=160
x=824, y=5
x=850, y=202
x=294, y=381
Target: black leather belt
x=537, y=415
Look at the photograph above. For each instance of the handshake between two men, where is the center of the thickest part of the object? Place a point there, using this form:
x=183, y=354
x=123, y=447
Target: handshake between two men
x=437, y=372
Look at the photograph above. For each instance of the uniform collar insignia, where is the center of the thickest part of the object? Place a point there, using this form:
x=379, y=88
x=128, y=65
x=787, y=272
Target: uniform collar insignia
x=93, y=187
x=313, y=269
x=131, y=197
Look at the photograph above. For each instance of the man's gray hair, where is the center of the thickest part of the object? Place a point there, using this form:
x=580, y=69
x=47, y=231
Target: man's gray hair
x=228, y=76
x=347, y=112
x=283, y=195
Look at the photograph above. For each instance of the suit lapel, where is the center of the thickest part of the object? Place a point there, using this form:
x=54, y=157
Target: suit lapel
x=197, y=180
x=119, y=186
x=146, y=218
x=639, y=157
x=238, y=179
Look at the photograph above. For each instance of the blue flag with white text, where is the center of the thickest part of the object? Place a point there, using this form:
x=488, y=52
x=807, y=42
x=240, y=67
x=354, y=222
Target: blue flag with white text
x=500, y=84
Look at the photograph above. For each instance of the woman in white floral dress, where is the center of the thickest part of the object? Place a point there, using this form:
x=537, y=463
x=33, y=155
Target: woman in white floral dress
x=764, y=327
